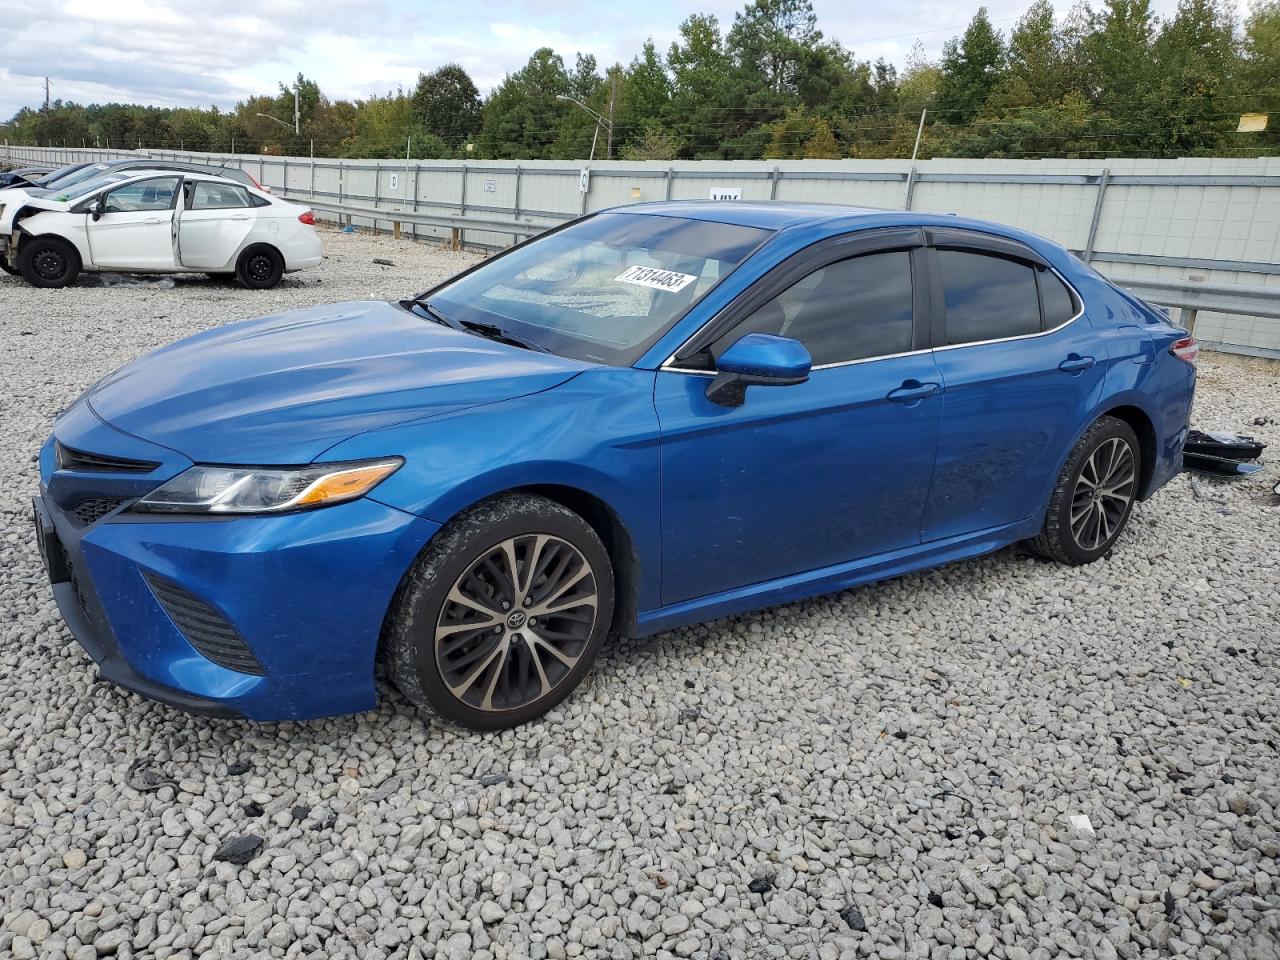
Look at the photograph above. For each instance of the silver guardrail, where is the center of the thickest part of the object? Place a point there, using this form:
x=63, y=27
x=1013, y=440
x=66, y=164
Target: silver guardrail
x=1189, y=297
x=397, y=218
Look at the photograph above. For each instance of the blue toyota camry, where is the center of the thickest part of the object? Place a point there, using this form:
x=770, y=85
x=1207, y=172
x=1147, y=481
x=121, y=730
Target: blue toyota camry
x=653, y=415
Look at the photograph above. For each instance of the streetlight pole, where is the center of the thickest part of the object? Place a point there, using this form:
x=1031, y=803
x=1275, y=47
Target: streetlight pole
x=608, y=124
x=276, y=120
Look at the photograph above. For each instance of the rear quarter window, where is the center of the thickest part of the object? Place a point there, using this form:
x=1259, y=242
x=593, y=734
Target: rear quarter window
x=1056, y=300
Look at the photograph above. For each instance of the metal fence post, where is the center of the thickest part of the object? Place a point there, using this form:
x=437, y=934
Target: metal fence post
x=516, y=207
x=342, y=176
x=911, y=188
x=773, y=187
x=671, y=175
x=377, y=191
x=1097, y=217
x=462, y=205
x=417, y=169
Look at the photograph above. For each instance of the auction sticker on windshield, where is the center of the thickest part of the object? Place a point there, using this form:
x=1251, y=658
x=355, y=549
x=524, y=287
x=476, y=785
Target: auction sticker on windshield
x=667, y=280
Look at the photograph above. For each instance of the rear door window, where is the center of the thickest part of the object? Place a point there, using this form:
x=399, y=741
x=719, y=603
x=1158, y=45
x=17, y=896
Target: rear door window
x=218, y=196
x=987, y=297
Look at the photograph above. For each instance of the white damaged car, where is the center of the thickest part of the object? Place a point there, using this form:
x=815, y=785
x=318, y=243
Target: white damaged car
x=156, y=222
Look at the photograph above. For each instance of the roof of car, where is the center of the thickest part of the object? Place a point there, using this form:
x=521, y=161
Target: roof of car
x=769, y=215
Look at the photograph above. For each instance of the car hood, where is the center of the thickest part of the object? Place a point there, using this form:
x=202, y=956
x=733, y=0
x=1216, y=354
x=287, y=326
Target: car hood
x=284, y=389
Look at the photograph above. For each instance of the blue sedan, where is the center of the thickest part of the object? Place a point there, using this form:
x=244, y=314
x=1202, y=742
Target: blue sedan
x=650, y=416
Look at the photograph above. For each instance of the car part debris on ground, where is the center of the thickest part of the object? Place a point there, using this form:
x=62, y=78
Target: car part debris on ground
x=1221, y=453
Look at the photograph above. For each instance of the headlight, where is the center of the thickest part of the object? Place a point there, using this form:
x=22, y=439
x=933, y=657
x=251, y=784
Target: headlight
x=266, y=490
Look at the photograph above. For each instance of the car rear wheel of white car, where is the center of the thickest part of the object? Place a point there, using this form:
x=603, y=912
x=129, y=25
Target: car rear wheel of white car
x=260, y=268
x=48, y=262
x=1094, y=495
x=502, y=614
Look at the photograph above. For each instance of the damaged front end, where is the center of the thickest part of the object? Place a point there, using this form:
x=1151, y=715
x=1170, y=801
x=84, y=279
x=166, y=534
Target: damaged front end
x=11, y=235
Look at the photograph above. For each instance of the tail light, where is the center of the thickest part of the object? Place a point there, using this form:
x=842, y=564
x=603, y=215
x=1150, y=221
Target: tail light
x=1186, y=349
x=309, y=219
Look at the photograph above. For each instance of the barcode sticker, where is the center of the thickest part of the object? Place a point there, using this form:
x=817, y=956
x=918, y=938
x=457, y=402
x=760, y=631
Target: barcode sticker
x=667, y=280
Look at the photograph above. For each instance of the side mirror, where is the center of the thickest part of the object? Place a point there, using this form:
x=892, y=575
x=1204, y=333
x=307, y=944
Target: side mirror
x=759, y=360
x=96, y=211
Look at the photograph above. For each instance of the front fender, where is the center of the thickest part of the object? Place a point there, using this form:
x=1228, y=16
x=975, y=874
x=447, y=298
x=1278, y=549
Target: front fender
x=66, y=226
x=596, y=433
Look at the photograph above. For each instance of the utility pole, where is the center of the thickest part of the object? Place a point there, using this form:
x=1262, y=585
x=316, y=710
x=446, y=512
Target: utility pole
x=613, y=95
x=46, y=94
x=297, y=124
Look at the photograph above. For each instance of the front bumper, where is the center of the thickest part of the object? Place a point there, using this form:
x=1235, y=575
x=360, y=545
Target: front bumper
x=307, y=592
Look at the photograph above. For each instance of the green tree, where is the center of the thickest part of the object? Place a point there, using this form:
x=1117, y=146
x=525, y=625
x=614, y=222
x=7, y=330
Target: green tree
x=644, y=91
x=1197, y=60
x=705, y=106
x=971, y=68
x=446, y=104
x=1259, y=75
x=522, y=116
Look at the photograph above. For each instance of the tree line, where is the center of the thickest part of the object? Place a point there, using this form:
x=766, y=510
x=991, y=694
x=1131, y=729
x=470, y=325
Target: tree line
x=1108, y=80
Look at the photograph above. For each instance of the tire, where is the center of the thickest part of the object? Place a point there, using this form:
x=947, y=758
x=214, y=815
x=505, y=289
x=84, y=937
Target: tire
x=260, y=268
x=1093, y=496
x=48, y=262
x=432, y=643
x=4, y=265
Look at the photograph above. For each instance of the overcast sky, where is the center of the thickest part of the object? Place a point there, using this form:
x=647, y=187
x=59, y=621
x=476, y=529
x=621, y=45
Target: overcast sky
x=175, y=53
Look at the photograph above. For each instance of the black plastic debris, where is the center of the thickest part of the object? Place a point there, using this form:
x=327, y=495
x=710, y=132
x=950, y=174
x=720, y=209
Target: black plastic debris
x=1222, y=454
x=494, y=779
x=853, y=918
x=237, y=768
x=301, y=812
x=760, y=885
x=253, y=809
x=238, y=849
x=144, y=778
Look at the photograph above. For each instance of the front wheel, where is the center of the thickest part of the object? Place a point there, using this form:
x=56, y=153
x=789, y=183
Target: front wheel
x=260, y=268
x=1093, y=496
x=503, y=613
x=48, y=262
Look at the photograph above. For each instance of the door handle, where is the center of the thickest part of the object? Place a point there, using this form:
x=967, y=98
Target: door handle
x=1076, y=363
x=240, y=216
x=913, y=390
x=154, y=220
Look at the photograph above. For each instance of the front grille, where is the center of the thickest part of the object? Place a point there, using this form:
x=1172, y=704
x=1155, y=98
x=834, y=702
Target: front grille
x=95, y=508
x=204, y=626
x=69, y=459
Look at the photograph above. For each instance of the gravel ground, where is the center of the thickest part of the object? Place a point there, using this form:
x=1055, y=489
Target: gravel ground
x=888, y=772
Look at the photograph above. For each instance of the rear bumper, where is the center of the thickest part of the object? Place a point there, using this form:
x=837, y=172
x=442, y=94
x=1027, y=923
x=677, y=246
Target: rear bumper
x=307, y=592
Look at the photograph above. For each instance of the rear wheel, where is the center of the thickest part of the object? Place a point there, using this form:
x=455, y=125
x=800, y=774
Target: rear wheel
x=1093, y=496
x=48, y=262
x=260, y=268
x=502, y=615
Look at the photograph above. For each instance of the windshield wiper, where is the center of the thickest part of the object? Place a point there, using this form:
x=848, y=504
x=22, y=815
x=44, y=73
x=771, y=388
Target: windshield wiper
x=492, y=331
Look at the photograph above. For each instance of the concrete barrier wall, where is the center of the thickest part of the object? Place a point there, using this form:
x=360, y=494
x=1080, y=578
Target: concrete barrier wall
x=1215, y=220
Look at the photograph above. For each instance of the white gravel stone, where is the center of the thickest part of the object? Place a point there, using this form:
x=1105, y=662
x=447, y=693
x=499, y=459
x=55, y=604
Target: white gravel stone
x=904, y=756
